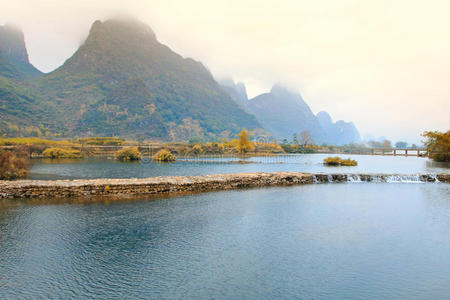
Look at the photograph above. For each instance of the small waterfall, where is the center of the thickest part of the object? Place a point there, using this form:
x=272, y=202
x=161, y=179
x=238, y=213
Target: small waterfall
x=387, y=178
x=403, y=179
x=375, y=178
x=330, y=178
x=434, y=178
x=353, y=178
x=397, y=178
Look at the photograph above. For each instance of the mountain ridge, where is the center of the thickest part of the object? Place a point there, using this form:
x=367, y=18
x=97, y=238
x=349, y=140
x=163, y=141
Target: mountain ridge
x=122, y=81
x=124, y=53
x=294, y=117
x=284, y=113
x=339, y=132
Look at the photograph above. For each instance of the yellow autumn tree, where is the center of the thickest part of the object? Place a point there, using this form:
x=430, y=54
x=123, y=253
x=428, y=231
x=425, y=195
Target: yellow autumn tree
x=438, y=145
x=244, y=145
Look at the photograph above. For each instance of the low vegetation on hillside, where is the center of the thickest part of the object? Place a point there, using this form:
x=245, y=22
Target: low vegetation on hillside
x=337, y=161
x=33, y=141
x=438, y=145
x=101, y=141
x=128, y=154
x=164, y=155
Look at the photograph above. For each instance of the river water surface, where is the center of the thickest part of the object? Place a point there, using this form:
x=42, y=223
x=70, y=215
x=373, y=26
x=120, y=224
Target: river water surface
x=318, y=241
x=108, y=168
x=322, y=241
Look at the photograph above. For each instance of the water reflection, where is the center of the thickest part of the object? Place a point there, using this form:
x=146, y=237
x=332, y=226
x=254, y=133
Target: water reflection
x=315, y=241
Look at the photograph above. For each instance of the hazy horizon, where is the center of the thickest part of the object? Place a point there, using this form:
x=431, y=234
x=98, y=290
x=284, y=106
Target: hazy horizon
x=383, y=66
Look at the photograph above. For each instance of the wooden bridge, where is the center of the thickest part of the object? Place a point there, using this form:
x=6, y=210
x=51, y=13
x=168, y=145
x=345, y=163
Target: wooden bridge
x=379, y=151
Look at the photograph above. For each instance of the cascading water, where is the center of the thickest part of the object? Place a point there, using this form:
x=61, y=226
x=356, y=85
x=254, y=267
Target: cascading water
x=388, y=178
x=330, y=178
x=353, y=178
x=434, y=178
x=403, y=179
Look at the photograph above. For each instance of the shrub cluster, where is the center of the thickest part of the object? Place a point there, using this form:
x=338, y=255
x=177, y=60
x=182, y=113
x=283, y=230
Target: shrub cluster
x=164, y=155
x=438, y=145
x=337, y=161
x=61, y=153
x=12, y=166
x=128, y=154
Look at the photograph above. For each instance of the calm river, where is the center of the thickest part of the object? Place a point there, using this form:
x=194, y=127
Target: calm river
x=319, y=241
x=108, y=168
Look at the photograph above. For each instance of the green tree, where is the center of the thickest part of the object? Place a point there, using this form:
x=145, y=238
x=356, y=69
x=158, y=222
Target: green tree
x=294, y=139
x=374, y=144
x=401, y=144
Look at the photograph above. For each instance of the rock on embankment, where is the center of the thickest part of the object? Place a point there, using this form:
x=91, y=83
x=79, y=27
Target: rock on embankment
x=183, y=184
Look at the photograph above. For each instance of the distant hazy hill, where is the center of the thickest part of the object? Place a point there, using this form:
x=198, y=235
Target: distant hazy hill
x=339, y=133
x=237, y=91
x=283, y=113
x=122, y=81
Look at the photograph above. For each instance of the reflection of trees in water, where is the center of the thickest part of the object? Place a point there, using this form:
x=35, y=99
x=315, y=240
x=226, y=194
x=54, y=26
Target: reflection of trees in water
x=5, y=220
x=437, y=164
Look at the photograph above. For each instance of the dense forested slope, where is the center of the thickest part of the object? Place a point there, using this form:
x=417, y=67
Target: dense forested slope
x=122, y=81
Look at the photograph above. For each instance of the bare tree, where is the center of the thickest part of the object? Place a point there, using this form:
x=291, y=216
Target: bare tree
x=306, y=138
x=386, y=144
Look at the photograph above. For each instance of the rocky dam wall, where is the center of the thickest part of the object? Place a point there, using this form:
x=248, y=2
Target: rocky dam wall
x=85, y=188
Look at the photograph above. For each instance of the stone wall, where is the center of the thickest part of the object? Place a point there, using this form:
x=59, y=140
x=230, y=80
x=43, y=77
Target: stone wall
x=173, y=185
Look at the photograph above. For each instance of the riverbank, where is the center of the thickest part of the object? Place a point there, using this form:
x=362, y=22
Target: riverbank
x=86, y=188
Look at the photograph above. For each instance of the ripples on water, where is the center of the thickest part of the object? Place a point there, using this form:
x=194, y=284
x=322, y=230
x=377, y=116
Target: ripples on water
x=104, y=168
x=329, y=241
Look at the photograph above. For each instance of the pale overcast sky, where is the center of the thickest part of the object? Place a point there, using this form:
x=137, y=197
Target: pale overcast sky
x=383, y=64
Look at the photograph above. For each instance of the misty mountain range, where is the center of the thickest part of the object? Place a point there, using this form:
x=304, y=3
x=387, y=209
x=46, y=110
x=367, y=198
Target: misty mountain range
x=123, y=82
x=282, y=113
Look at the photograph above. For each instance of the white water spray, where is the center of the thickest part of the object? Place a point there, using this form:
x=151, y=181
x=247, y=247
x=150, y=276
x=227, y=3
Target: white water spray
x=353, y=178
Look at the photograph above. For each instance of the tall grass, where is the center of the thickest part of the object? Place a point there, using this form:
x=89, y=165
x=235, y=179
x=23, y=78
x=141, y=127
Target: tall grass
x=13, y=166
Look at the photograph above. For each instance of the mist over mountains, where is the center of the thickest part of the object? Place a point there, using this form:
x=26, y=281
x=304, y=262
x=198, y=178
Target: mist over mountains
x=283, y=113
x=123, y=82
x=13, y=54
x=340, y=132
